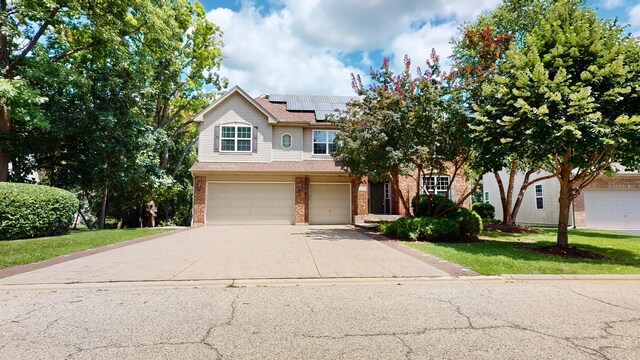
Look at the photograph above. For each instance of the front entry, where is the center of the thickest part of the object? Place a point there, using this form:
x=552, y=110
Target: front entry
x=380, y=198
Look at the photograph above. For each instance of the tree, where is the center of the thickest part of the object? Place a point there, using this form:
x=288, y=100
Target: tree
x=569, y=99
x=405, y=126
x=477, y=56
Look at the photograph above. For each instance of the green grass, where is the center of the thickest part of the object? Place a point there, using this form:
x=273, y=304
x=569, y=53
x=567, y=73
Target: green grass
x=18, y=252
x=502, y=253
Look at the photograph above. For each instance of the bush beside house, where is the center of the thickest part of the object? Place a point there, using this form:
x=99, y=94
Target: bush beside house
x=485, y=210
x=28, y=211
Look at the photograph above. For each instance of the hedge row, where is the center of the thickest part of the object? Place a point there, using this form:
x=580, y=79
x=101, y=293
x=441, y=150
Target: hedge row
x=421, y=228
x=28, y=211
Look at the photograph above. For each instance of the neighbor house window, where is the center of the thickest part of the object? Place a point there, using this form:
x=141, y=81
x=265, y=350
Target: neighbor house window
x=235, y=138
x=539, y=198
x=323, y=142
x=286, y=141
x=436, y=184
x=486, y=196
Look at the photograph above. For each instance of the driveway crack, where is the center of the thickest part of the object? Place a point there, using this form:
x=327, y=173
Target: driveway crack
x=304, y=236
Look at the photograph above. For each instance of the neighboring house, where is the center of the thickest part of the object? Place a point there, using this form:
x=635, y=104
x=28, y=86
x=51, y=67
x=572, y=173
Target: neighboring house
x=268, y=161
x=607, y=203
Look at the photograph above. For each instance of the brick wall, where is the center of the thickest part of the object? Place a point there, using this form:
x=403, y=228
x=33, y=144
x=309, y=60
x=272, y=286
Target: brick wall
x=199, y=198
x=302, y=200
x=359, y=197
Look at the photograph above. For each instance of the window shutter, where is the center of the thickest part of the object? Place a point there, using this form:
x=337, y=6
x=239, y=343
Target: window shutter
x=255, y=139
x=216, y=138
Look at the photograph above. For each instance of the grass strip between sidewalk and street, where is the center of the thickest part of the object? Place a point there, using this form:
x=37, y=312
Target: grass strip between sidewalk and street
x=20, y=252
x=505, y=253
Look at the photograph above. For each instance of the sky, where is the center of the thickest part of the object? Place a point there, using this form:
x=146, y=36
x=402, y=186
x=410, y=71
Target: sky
x=313, y=46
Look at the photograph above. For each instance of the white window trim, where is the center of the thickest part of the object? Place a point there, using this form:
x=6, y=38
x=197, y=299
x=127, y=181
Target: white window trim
x=282, y=141
x=235, y=139
x=486, y=197
x=424, y=187
x=324, y=142
x=536, y=197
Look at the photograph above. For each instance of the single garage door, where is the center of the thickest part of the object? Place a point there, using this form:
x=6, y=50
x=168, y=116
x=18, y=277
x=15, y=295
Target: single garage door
x=329, y=203
x=608, y=209
x=250, y=203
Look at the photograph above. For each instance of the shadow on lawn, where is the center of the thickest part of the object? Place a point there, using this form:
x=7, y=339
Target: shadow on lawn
x=521, y=251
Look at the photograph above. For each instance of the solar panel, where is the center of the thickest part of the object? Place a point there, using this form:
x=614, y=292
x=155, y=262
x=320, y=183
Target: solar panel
x=320, y=105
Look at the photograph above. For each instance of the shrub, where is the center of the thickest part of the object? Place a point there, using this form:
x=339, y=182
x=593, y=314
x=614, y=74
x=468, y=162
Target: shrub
x=469, y=221
x=485, y=210
x=421, y=228
x=28, y=211
x=426, y=205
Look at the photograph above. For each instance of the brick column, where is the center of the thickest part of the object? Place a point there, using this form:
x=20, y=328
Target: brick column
x=302, y=200
x=199, y=195
x=359, y=197
x=578, y=211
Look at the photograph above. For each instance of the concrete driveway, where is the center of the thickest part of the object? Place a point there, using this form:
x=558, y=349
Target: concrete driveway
x=239, y=252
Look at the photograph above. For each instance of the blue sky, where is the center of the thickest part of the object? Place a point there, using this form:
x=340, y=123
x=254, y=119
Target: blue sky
x=312, y=46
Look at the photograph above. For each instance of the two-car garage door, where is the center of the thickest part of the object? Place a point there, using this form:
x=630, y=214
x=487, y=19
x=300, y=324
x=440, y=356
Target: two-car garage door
x=274, y=203
x=612, y=209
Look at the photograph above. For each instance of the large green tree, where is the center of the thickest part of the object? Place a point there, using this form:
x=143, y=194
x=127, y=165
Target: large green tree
x=405, y=125
x=567, y=98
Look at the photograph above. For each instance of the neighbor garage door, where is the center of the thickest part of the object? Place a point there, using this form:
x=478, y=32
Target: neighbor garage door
x=612, y=209
x=329, y=203
x=250, y=203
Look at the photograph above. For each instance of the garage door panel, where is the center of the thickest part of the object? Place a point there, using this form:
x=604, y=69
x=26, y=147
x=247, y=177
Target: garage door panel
x=330, y=204
x=250, y=203
x=612, y=209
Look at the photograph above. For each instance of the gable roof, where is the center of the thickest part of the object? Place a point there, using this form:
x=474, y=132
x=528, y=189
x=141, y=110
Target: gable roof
x=234, y=90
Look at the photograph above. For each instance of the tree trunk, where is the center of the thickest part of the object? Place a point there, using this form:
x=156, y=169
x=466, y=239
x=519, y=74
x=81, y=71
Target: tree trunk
x=503, y=197
x=563, y=217
x=103, y=206
x=509, y=220
x=5, y=128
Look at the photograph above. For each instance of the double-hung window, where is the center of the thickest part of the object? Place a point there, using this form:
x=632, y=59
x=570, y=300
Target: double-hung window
x=539, y=197
x=323, y=142
x=235, y=138
x=436, y=184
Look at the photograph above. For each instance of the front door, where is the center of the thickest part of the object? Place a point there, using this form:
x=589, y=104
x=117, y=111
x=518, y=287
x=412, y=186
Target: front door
x=379, y=198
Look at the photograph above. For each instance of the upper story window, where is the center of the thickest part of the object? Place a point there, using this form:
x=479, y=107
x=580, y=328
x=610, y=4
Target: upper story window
x=539, y=197
x=323, y=142
x=436, y=184
x=286, y=141
x=235, y=138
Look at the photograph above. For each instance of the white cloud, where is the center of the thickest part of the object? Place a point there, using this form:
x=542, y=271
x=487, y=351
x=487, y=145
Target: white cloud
x=634, y=16
x=610, y=4
x=297, y=46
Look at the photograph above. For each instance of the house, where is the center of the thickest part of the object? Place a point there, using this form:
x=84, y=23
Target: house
x=609, y=202
x=267, y=160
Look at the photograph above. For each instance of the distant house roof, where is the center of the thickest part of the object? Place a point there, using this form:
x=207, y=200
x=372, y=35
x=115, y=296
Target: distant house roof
x=309, y=167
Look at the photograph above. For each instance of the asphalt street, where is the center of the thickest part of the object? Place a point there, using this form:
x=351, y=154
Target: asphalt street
x=357, y=319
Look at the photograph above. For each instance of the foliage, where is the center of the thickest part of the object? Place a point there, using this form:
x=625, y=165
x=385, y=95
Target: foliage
x=121, y=82
x=502, y=253
x=431, y=205
x=575, y=84
x=13, y=253
x=469, y=221
x=485, y=210
x=421, y=228
x=28, y=211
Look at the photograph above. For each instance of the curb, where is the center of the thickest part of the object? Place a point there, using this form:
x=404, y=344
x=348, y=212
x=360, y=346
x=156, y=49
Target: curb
x=571, y=277
x=19, y=269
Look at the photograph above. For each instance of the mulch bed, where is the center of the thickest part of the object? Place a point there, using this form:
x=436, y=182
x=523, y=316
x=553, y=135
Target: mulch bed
x=511, y=229
x=570, y=252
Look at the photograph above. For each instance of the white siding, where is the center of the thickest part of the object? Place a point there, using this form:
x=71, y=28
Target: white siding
x=308, y=147
x=235, y=109
x=297, y=144
x=528, y=214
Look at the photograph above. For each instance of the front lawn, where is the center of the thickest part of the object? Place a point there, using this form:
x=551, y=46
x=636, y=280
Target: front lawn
x=503, y=253
x=18, y=252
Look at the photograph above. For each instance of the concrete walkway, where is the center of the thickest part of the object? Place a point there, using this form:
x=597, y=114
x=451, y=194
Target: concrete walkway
x=239, y=252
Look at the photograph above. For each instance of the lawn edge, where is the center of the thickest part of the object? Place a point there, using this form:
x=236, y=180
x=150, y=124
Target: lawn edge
x=19, y=269
x=570, y=276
